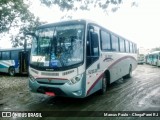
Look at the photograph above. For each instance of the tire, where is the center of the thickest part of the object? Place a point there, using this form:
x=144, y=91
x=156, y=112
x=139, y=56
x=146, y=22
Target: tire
x=129, y=75
x=11, y=71
x=104, y=85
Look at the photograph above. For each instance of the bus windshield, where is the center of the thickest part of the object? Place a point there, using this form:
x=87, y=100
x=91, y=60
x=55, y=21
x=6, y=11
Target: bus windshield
x=58, y=46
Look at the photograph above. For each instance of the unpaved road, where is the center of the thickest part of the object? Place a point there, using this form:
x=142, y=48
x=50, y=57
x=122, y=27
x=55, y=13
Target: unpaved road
x=139, y=93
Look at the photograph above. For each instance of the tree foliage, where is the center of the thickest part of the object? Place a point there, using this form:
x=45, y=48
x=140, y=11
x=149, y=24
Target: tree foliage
x=18, y=40
x=12, y=12
x=15, y=14
x=85, y=4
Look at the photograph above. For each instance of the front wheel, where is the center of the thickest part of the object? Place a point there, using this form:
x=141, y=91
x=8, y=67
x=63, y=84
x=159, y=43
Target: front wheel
x=104, y=85
x=11, y=71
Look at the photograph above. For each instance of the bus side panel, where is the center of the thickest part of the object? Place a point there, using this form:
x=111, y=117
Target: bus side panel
x=5, y=64
x=3, y=68
x=118, y=64
x=158, y=61
x=93, y=78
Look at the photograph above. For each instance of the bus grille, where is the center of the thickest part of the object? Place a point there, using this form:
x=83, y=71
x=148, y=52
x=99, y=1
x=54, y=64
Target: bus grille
x=50, y=74
x=68, y=72
x=50, y=83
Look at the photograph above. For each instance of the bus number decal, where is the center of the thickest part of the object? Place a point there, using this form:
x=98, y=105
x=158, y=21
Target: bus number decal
x=108, y=58
x=92, y=71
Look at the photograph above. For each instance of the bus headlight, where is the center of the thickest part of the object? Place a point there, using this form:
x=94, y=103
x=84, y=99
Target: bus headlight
x=31, y=78
x=75, y=79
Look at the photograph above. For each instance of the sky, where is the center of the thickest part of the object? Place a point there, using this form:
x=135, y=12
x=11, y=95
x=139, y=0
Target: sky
x=139, y=24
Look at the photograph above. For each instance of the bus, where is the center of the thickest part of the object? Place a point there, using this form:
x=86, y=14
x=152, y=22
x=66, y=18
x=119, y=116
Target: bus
x=141, y=58
x=153, y=58
x=148, y=58
x=78, y=58
x=14, y=60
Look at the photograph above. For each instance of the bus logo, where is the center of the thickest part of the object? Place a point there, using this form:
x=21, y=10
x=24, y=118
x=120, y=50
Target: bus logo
x=107, y=59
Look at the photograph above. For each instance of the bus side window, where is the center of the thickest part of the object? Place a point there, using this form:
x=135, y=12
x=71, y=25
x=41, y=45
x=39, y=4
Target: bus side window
x=14, y=55
x=105, y=40
x=122, y=45
x=131, y=48
x=127, y=46
x=6, y=55
x=115, y=43
x=0, y=55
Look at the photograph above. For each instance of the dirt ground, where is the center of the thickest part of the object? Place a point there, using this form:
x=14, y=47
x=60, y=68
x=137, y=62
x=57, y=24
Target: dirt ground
x=139, y=93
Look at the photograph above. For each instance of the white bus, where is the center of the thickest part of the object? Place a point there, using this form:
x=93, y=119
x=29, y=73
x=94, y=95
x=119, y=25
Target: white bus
x=14, y=60
x=77, y=58
x=153, y=58
x=141, y=58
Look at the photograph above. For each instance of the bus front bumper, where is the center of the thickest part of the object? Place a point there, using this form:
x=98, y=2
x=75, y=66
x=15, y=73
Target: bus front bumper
x=65, y=89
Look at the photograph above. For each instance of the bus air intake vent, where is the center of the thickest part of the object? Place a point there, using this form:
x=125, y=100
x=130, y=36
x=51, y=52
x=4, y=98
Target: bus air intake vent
x=50, y=74
x=68, y=72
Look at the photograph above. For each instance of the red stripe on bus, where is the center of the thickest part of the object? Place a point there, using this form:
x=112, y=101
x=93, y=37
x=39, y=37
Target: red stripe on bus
x=120, y=60
x=94, y=83
x=108, y=68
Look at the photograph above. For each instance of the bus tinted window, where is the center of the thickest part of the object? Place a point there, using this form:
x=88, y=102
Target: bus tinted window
x=135, y=47
x=6, y=55
x=131, y=48
x=14, y=55
x=0, y=55
x=115, y=46
x=105, y=41
x=127, y=46
x=122, y=45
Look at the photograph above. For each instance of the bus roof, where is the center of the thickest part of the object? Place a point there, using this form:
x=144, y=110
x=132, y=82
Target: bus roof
x=61, y=23
x=154, y=52
x=85, y=21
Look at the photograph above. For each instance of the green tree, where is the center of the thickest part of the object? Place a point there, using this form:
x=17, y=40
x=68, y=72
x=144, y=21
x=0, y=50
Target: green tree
x=12, y=12
x=85, y=4
x=15, y=14
x=74, y=5
x=18, y=40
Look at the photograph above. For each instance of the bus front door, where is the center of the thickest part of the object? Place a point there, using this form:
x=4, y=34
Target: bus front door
x=23, y=62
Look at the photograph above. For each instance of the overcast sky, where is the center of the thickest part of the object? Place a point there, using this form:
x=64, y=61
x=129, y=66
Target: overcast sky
x=139, y=24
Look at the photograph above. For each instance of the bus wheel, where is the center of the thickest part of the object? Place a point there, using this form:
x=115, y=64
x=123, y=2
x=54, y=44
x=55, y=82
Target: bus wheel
x=129, y=75
x=104, y=85
x=11, y=71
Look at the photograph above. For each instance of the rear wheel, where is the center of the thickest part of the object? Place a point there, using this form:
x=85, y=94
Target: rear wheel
x=129, y=75
x=11, y=71
x=104, y=85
